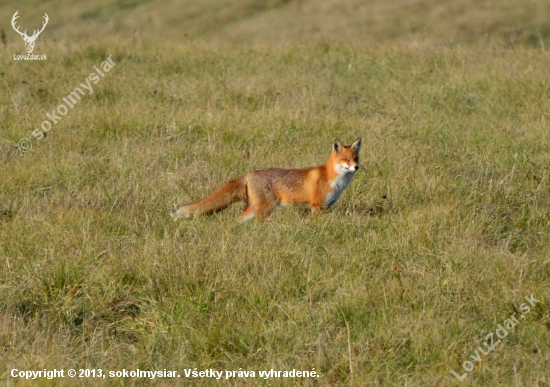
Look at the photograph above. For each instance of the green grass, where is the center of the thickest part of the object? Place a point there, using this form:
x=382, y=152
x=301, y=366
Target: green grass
x=442, y=233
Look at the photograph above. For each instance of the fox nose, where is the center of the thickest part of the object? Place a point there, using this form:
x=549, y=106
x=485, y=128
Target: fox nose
x=356, y=167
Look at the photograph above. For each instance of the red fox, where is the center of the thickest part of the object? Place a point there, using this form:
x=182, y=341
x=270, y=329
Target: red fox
x=264, y=190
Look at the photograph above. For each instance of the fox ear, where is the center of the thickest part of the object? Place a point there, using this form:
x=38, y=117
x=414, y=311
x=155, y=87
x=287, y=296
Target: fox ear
x=337, y=146
x=356, y=144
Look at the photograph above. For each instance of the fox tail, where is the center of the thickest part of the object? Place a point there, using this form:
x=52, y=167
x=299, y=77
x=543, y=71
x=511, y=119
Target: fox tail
x=229, y=193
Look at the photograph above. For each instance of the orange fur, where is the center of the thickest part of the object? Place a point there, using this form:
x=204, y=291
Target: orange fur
x=263, y=190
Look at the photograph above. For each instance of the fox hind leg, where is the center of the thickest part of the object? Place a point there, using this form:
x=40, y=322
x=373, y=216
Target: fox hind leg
x=263, y=206
x=259, y=205
x=265, y=211
x=247, y=214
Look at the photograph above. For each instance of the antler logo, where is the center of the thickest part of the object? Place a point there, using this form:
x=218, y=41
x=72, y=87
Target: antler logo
x=29, y=40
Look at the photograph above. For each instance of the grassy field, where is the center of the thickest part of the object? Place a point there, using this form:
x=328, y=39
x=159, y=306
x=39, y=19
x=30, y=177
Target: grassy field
x=443, y=232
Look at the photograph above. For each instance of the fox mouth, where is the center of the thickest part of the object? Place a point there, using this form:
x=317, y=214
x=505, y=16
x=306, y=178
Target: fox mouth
x=344, y=169
x=350, y=169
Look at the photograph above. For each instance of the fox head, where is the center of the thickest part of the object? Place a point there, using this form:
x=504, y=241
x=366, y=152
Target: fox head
x=345, y=158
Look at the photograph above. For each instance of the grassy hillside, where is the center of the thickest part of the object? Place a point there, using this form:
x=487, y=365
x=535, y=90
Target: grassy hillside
x=443, y=232
x=280, y=22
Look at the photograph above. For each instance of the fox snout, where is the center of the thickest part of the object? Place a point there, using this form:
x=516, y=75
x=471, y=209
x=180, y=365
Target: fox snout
x=345, y=168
